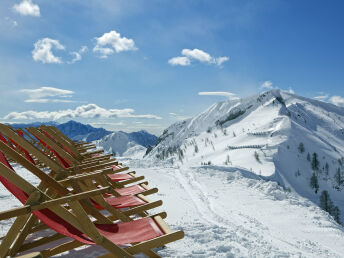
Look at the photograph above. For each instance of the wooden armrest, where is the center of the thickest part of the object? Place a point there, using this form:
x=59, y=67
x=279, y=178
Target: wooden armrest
x=53, y=202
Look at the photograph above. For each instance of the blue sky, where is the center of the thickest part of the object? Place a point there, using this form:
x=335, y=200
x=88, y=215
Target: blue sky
x=134, y=64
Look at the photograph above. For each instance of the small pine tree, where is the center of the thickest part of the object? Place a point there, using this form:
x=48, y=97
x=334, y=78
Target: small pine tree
x=234, y=135
x=301, y=148
x=325, y=201
x=196, y=148
x=224, y=132
x=314, y=183
x=256, y=155
x=308, y=157
x=338, y=178
x=327, y=167
x=227, y=162
x=327, y=205
x=149, y=149
x=336, y=214
x=315, y=161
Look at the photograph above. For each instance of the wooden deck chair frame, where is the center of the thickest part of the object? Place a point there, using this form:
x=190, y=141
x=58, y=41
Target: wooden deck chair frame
x=79, y=152
x=80, y=180
x=61, y=138
x=79, y=219
x=75, y=162
x=76, y=169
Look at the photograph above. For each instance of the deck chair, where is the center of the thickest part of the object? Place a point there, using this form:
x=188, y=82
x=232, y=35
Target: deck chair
x=74, y=222
x=83, y=168
x=137, y=203
x=67, y=144
x=67, y=160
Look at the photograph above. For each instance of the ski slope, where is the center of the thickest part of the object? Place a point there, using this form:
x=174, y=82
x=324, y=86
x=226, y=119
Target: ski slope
x=227, y=212
x=262, y=134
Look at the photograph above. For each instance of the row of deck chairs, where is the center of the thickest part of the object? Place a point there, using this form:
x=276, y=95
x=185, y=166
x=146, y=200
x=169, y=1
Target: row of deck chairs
x=84, y=198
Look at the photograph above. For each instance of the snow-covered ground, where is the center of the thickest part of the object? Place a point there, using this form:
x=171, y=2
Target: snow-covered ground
x=228, y=212
x=253, y=198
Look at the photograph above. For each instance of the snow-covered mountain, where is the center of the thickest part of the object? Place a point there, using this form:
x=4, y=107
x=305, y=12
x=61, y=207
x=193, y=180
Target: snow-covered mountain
x=127, y=144
x=296, y=141
x=81, y=132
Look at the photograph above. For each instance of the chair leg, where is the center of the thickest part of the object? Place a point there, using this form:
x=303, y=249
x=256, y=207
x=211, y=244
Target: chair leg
x=22, y=235
x=12, y=234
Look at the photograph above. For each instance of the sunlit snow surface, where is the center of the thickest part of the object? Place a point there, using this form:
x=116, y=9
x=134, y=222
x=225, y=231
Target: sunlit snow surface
x=228, y=212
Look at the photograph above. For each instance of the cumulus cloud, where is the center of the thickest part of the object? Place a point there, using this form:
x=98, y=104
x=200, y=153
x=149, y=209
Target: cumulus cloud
x=47, y=95
x=178, y=117
x=112, y=42
x=322, y=97
x=266, y=85
x=84, y=111
x=229, y=95
x=77, y=55
x=197, y=55
x=27, y=7
x=337, y=100
x=179, y=60
x=43, y=51
x=290, y=90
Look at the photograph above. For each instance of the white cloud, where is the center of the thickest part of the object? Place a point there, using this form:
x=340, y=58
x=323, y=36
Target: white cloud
x=78, y=55
x=112, y=41
x=44, y=94
x=43, y=51
x=84, y=111
x=266, y=85
x=290, y=90
x=322, y=97
x=229, y=95
x=27, y=7
x=220, y=60
x=179, y=60
x=337, y=100
x=198, y=55
x=178, y=117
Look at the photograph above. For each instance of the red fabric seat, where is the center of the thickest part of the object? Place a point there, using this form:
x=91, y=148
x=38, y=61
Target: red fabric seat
x=120, y=177
x=120, y=202
x=120, y=233
x=130, y=190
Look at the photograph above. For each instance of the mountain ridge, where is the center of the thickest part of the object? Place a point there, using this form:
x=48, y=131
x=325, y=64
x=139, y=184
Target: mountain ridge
x=262, y=134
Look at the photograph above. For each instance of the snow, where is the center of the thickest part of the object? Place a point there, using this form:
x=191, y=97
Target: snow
x=120, y=143
x=254, y=197
x=228, y=212
x=261, y=134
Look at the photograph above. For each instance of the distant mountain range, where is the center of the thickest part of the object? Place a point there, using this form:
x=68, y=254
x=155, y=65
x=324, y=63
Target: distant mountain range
x=117, y=142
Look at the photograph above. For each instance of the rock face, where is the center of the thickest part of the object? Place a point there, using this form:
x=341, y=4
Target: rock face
x=296, y=141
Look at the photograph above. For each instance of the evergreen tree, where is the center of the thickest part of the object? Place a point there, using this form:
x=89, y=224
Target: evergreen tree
x=314, y=183
x=336, y=214
x=308, y=157
x=326, y=169
x=327, y=205
x=149, y=149
x=325, y=201
x=301, y=148
x=338, y=178
x=315, y=162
